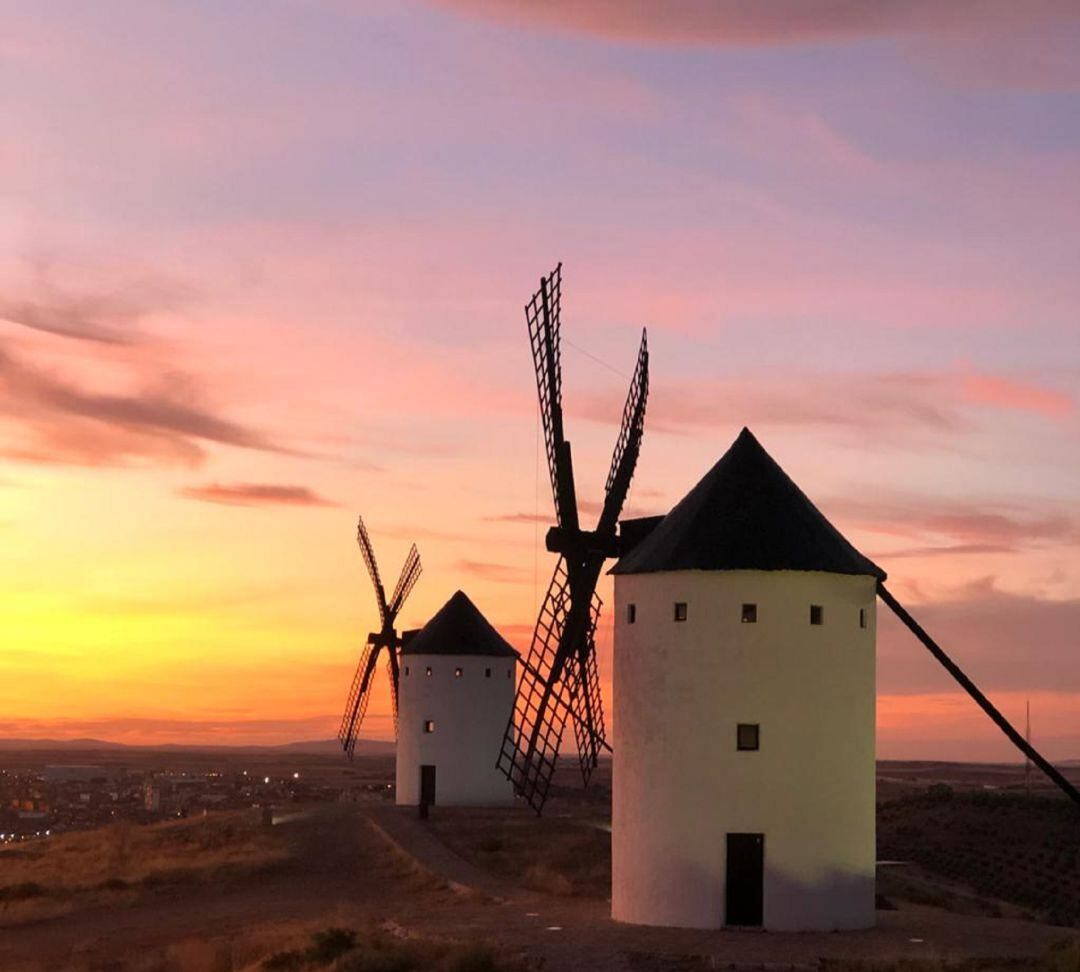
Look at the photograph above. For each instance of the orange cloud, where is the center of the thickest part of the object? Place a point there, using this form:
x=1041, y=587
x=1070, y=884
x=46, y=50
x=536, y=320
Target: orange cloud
x=1015, y=395
x=949, y=725
x=256, y=494
x=500, y=573
x=141, y=731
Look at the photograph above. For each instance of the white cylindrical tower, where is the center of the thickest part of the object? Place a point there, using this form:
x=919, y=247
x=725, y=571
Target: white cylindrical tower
x=744, y=696
x=455, y=696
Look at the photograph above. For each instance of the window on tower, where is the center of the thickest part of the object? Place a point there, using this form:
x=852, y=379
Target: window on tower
x=487, y=673
x=749, y=614
x=458, y=672
x=631, y=613
x=680, y=610
x=862, y=617
x=406, y=669
x=748, y=736
x=429, y=725
x=427, y=671
x=817, y=614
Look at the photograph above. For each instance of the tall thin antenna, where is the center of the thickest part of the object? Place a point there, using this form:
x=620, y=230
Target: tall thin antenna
x=1027, y=759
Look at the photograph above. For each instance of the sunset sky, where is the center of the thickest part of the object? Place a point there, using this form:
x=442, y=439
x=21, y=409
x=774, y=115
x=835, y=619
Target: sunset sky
x=262, y=268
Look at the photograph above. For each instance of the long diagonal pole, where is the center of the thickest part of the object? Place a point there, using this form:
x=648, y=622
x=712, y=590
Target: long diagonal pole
x=984, y=703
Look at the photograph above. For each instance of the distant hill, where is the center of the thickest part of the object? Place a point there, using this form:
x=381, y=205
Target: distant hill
x=318, y=747
x=68, y=744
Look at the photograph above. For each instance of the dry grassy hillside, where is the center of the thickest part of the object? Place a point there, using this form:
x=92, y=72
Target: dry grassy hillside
x=122, y=861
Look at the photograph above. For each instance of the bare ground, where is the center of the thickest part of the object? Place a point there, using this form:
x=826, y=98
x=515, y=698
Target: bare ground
x=348, y=868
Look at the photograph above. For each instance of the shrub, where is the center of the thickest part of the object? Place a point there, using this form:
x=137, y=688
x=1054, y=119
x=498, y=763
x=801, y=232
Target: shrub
x=475, y=958
x=330, y=944
x=289, y=961
x=939, y=792
x=377, y=961
x=20, y=892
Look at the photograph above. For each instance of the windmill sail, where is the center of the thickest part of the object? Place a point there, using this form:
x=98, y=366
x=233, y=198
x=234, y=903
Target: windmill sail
x=357, y=702
x=561, y=681
x=386, y=638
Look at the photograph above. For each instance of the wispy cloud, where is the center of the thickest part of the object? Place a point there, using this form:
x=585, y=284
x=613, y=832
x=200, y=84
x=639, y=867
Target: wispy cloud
x=731, y=22
x=1007, y=393
x=256, y=494
x=52, y=419
x=897, y=407
x=942, y=526
x=1004, y=641
x=520, y=518
x=105, y=320
x=92, y=305
x=500, y=573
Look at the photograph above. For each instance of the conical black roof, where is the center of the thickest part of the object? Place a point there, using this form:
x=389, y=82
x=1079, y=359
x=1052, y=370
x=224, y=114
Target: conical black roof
x=745, y=514
x=458, y=629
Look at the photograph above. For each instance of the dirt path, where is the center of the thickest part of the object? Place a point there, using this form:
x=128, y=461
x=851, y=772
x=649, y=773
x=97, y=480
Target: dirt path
x=345, y=870
x=578, y=933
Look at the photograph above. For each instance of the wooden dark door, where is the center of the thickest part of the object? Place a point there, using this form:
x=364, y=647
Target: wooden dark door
x=427, y=785
x=745, y=891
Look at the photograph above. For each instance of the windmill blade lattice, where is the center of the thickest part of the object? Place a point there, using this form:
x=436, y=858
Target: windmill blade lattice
x=542, y=314
x=410, y=574
x=586, y=703
x=386, y=638
x=560, y=681
x=368, y=552
x=628, y=444
x=542, y=704
x=357, y=702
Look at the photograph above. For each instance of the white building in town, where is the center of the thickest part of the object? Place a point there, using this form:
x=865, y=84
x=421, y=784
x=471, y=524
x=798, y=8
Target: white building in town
x=455, y=696
x=743, y=789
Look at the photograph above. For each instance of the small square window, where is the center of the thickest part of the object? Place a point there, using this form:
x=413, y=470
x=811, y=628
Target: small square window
x=427, y=671
x=631, y=613
x=429, y=725
x=748, y=737
x=817, y=614
x=487, y=673
x=680, y=610
x=458, y=672
x=749, y=614
x=862, y=617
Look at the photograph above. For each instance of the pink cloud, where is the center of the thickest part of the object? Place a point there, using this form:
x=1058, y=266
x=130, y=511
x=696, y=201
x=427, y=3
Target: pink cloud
x=901, y=407
x=85, y=380
x=51, y=419
x=731, y=22
x=964, y=526
x=1003, y=641
x=93, y=303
